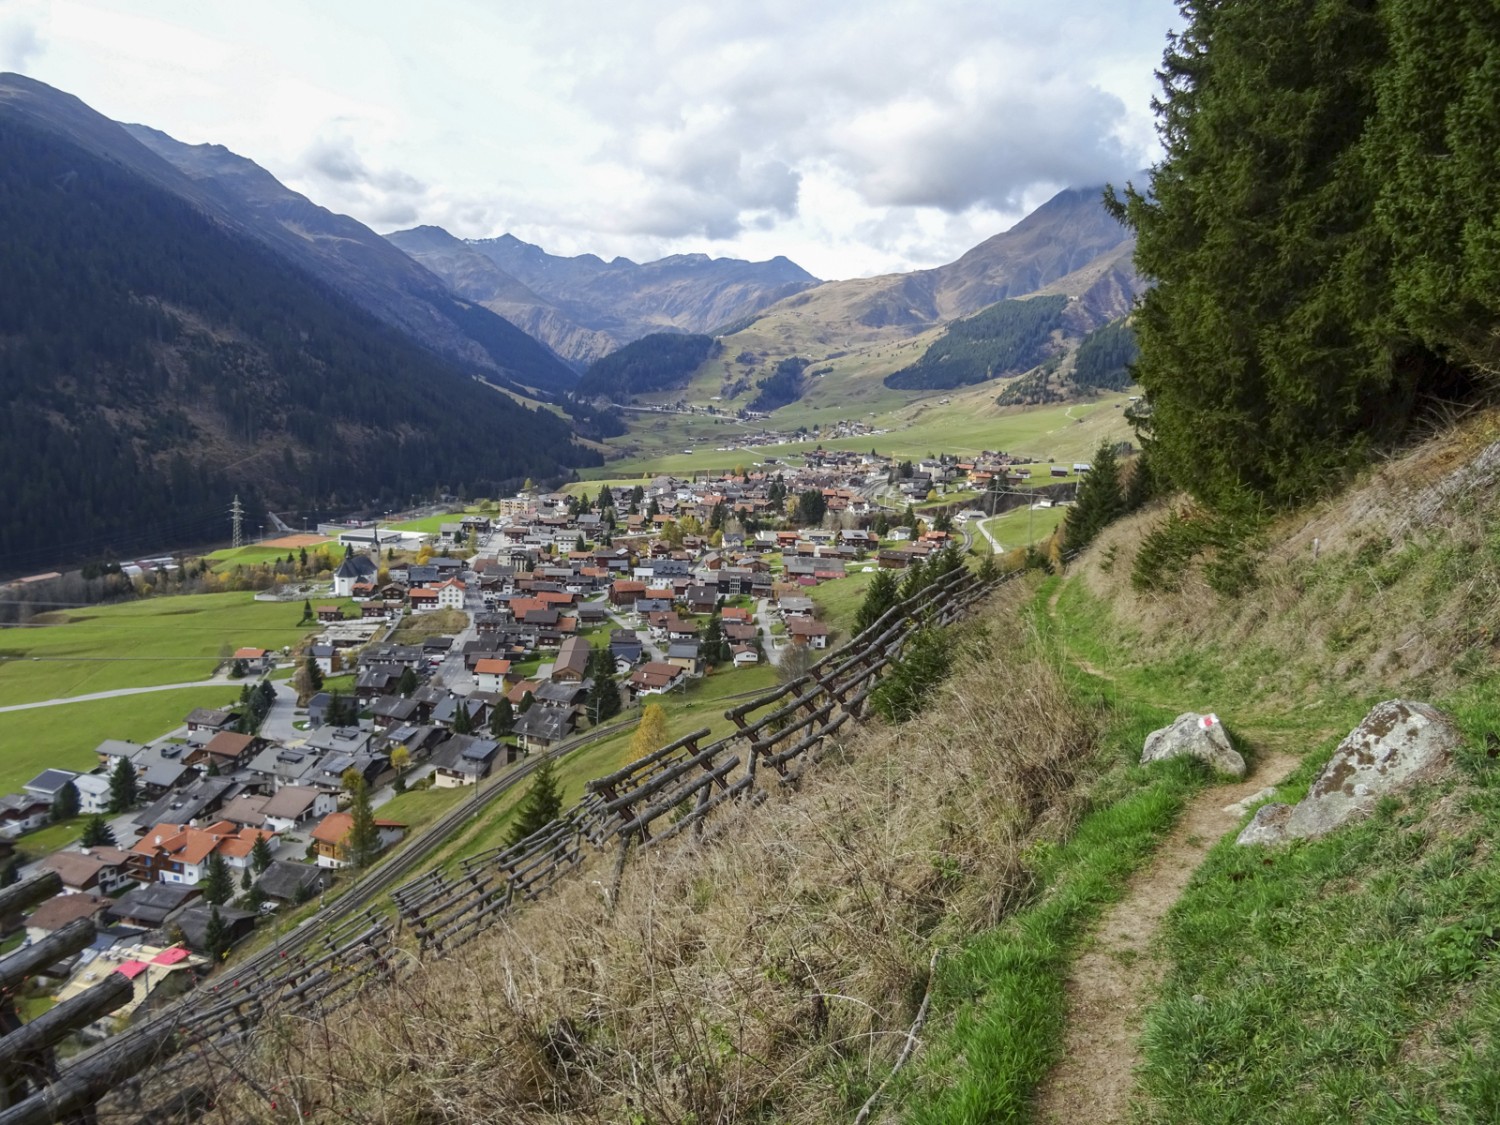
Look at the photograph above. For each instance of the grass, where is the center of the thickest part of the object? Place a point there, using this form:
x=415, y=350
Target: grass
x=431, y=525
x=228, y=558
x=54, y=837
x=838, y=601
x=65, y=736
x=1022, y=526
x=154, y=641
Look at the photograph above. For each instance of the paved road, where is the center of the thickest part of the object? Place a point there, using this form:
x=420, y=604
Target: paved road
x=212, y=681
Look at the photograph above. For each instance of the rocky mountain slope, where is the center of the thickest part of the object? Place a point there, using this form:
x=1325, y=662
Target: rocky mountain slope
x=585, y=307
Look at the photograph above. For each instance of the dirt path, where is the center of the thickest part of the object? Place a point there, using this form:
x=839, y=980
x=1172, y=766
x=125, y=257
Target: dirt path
x=1113, y=980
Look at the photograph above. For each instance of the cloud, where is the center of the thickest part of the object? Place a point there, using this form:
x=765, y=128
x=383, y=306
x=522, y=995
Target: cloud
x=334, y=158
x=19, y=44
x=717, y=117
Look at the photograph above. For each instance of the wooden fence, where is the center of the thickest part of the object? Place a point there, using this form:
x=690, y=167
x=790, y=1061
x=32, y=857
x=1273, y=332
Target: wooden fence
x=168, y=1067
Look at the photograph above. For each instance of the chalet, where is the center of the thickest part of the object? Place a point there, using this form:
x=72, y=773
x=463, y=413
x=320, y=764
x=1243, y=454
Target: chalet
x=745, y=656
x=894, y=559
x=464, y=760
x=538, y=728
x=245, y=811
x=234, y=925
x=329, y=613
x=655, y=678
x=293, y=882
x=152, y=906
x=557, y=693
x=330, y=838
x=805, y=631
x=112, y=750
x=625, y=645
x=490, y=675
x=204, y=797
x=101, y=870
x=393, y=711
x=422, y=599
x=702, y=599
x=796, y=606
x=212, y=721
x=686, y=655
x=293, y=806
x=678, y=630
x=739, y=633
x=225, y=751
x=255, y=660
x=283, y=765
x=446, y=713
x=178, y=853
x=59, y=910
x=572, y=662
x=736, y=614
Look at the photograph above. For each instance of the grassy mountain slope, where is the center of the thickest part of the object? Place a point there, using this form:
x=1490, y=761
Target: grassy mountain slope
x=153, y=361
x=772, y=972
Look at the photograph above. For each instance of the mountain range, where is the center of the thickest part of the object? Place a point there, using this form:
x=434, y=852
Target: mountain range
x=585, y=307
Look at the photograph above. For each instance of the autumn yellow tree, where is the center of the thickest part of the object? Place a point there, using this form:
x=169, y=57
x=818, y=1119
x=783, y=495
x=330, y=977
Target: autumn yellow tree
x=651, y=734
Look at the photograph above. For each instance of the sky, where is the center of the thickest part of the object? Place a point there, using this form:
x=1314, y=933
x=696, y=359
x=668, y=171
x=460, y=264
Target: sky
x=855, y=137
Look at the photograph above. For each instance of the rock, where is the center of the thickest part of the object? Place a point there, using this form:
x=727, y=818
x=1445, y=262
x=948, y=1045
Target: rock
x=1396, y=745
x=1240, y=808
x=1198, y=736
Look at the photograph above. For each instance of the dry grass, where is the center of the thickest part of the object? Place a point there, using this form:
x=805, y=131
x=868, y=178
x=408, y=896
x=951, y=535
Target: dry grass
x=765, y=973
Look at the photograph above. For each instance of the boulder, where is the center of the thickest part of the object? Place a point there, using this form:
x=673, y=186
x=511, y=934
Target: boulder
x=1396, y=745
x=1197, y=736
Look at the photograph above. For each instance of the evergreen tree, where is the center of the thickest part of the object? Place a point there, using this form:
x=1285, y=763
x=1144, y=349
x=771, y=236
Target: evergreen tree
x=307, y=609
x=260, y=854
x=1099, y=502
x=881, y=594
x=811, y=507
x=216, y=936
x=122, y=786
x=527, y=699
x=540, y=807
x=314, y=674
x=97, y=833
x=604, y=695
x=217, y=882
x=363, y=842
x=463, y=722
x=65, y=802
x=247, y=880
x=502, y=717
x=406, y=683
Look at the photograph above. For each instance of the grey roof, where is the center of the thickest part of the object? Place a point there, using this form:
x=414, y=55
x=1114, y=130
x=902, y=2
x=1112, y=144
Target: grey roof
x=153, y=903
x=179, y=807
x=683, y=650
x=548, y=723
x=48, y=782
x=284, y=880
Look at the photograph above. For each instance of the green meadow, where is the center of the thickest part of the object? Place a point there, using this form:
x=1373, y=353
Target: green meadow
x=164, y=640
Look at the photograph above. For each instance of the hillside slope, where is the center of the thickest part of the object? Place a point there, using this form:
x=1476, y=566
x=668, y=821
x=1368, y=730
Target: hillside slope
x=154, y=360
x=956, y=866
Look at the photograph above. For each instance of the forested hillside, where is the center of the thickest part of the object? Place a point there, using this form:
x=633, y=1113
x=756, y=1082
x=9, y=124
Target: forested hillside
x=151, y=363
x=1323, y=235
x=1004, y=339
x=1104, y=356
x=658, y=362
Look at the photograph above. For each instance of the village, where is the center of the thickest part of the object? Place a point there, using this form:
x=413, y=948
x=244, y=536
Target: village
x=506, y=633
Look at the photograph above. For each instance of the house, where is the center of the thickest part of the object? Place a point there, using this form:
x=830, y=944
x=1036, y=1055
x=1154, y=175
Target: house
x=422, y=599
x=805, y=631
x=490, y=674
x=354, y=570
x=152, y=906
x=293, y=882
x=685, y=655
x=625, y=593
x=21, y=812
x=329, y=613
x=331, y=836
x=203, y=797
x=225, y=751
x=293, y=806
x=59, y=910
x=556, y=693
x=540, y=727
x=194, y=922
x=178, y=853
x=99, y=870
x=572, y=662
x=655, y=678
x=702, y=599
x=445, y=714
x=450, y=594
x=745, y=656
x=208, y=719
x=255, y=660
x=394, y=711
x=625, y=645
x=464, y=760
x=49, y=783
x=93, y=793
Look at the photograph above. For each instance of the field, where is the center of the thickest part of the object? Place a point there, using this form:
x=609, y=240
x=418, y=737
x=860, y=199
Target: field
x=253, y=554
x=65, y=737
x=838, y=601
x=966, y=424
x=155, y=641
x=1022, y=526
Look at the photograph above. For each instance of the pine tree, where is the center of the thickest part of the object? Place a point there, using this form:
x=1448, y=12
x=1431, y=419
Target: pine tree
x=216, y=936
x=406, y=683
x=314, y=674
x=463, y=722
x=502, y=717
x=363, y=842
x=217, y=882
x=881, y=594
x=260, y=854
x=65, y=802
x=122, y=786
x=97, y=833
x=1100, y=501
x=540, y=806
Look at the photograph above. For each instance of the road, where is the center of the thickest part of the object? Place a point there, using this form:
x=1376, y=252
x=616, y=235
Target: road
x=212, y=681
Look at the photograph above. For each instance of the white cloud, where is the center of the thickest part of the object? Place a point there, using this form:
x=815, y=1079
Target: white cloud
x=851, y=135
x=19, y=44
